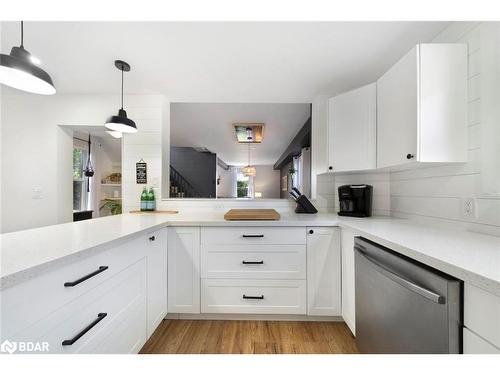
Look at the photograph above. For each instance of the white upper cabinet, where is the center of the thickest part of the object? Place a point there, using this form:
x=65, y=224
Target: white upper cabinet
x=352, y=132
x=421, y=107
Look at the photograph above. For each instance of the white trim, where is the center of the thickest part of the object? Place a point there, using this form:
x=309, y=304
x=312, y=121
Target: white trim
x=264, y=317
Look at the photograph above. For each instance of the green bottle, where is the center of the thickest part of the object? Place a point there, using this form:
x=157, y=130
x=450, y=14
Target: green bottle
x=144, y=199
x=151, y=200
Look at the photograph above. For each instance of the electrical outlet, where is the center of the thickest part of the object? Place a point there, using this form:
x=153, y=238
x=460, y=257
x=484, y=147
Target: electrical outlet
x=37, y=193
x=469, y=208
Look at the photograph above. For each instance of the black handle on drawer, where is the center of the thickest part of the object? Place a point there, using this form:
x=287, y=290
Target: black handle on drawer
x=100, y=317
x=82, y=279
x=247, y=262
x=253, y=297
x=152, y=238
x=253, y=236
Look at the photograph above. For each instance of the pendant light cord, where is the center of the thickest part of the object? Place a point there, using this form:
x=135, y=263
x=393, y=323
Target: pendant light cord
x=122, y=86
x=22, y=33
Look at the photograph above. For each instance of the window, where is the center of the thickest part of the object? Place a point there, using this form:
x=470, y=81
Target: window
x=79, y=181
x=244, y=185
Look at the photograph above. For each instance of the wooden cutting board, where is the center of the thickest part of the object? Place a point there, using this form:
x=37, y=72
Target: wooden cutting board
x=153, y=212
x=252, y=214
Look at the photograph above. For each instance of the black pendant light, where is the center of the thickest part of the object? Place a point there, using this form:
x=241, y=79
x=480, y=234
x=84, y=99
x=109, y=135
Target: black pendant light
x=121, y=123
x=89, y=169
x=19, y=70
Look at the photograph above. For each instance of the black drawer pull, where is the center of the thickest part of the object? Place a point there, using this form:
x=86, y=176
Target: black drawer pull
x=152, y=238
x=253, y=297
x=100, y=317
x=253, y=236
x=82, y=279
x=247, y=262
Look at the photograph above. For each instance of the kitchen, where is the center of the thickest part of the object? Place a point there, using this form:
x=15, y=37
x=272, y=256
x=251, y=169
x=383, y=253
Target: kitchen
x=384, y=226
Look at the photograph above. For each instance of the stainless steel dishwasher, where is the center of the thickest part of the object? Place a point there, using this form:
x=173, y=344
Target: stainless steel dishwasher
x=403, y=306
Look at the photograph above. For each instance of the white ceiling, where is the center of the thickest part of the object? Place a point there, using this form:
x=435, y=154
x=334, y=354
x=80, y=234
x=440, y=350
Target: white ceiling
x=209, y=125
x=112, y=146
x=217, y=61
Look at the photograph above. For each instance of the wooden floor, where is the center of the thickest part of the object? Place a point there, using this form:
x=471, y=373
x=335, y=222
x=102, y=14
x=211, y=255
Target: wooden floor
x=250, y=337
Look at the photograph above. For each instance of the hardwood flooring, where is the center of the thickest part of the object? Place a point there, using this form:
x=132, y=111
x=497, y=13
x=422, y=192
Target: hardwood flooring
x=250, y=337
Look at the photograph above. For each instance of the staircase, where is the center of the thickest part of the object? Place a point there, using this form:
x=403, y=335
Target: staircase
x=180, y=187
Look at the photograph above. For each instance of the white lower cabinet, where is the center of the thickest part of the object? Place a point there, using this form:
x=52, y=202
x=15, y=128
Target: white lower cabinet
x=107, y=302
x=323, y=272
x=156, y=251
x=481, y=320
x=253, y=270
x=348, y=287
x=474, y=344
x=184, y=270
x=253, y=296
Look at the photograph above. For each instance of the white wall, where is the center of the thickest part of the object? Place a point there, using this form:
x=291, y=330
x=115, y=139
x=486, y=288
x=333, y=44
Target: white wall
x=267, y=181
x=436, y=194
x=36, y=151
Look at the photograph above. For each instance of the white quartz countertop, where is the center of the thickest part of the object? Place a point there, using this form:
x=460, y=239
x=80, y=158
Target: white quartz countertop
x=472, y=257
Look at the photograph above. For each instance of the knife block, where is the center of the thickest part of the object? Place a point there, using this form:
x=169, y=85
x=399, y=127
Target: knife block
x=304, y=206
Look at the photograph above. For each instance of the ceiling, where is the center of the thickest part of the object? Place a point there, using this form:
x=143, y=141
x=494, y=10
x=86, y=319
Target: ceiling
x=219, y=61
x=210, y=125
x=112, y=146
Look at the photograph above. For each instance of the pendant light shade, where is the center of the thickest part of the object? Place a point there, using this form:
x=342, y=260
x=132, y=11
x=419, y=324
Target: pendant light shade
x=19, y=70
x=249, y=171
x=121, y=123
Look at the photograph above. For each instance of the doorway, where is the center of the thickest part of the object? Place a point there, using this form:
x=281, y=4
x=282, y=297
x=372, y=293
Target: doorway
x=97, y=173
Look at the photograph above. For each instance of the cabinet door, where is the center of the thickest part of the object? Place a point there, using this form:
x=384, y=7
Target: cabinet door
x=157, y=278
x=348, y=291
x=329, y=137
x=353, y=128
x=323, y=271
x=473, y=344
x=184, y=270
x=397, y=112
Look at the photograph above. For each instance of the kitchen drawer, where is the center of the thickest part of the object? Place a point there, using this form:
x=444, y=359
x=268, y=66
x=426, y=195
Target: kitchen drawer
x=253, y=236
x=270, y=296
x=481, y=313
x=254, y=261
x=26, y=303
x=473, y=344
x=122, y=330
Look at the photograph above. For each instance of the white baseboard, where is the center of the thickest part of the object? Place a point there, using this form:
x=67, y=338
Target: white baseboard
x=268, y=317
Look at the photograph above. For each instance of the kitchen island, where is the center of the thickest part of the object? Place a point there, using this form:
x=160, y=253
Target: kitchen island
x=299, y=262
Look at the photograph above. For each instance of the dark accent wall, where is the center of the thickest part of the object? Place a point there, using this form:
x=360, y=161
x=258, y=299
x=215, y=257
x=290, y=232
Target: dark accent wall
x=198, y=168
x=302, y=139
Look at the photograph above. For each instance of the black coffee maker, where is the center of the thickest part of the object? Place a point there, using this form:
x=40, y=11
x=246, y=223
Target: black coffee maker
x=355, y=200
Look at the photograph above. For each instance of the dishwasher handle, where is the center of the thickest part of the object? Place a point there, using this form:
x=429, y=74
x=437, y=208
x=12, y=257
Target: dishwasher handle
x=426, y=293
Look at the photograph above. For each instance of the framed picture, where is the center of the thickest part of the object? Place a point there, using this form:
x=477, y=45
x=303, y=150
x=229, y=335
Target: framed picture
x=284, y=183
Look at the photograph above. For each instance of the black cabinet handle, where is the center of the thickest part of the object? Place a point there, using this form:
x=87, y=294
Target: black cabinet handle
x=253, y=297
x=152, y=238
x=82, y=279
x=410, y=156
x=253, y=236
x=330, y=167
x=100, y=317
x=311, y=231
x=246, y=262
